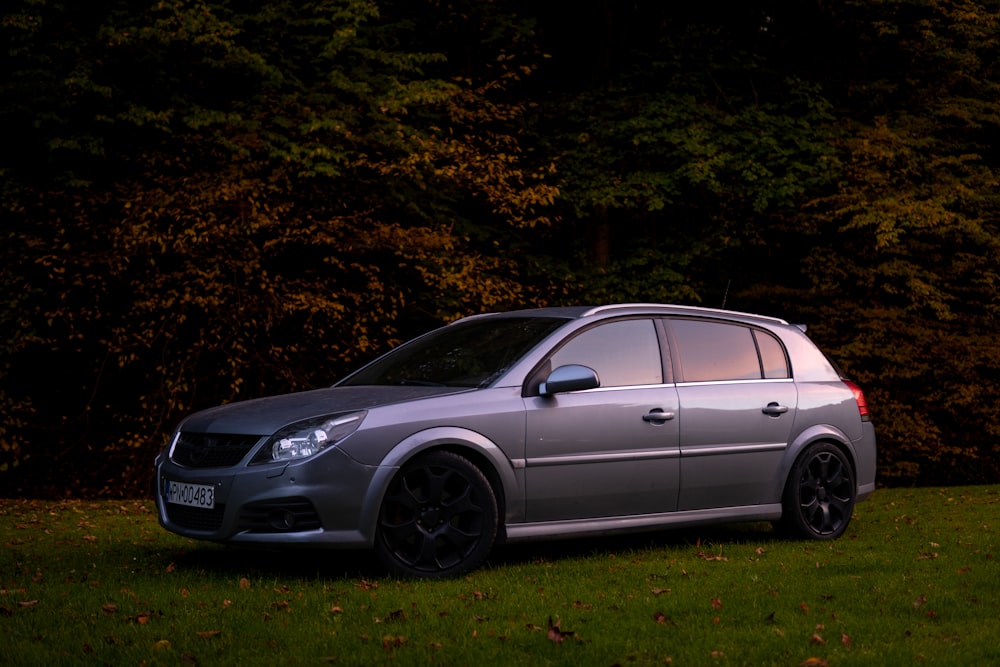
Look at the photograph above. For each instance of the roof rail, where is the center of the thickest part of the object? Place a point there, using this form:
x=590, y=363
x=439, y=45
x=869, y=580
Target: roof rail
x=698, y=309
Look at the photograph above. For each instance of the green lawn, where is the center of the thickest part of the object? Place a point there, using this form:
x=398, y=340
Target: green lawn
x=914, y=581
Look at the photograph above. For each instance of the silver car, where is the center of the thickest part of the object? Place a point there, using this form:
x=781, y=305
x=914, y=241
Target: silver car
x=529, y=425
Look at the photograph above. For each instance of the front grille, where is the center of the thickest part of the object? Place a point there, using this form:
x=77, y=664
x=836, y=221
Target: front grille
x=196, y=518
x=212, y=450
x=282, y=515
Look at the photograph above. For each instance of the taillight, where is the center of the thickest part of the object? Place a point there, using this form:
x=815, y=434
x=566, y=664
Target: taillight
x=859, y=398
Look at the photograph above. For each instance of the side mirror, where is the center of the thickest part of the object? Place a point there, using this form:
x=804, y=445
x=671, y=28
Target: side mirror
x=571, y=377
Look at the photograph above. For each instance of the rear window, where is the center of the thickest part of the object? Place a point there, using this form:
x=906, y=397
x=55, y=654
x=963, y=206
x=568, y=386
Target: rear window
x=717, y=351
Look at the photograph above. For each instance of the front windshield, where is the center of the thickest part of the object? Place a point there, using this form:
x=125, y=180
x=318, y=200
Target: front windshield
x=465, y=354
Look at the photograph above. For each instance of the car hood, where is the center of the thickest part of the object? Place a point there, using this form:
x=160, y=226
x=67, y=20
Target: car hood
x=264, y=416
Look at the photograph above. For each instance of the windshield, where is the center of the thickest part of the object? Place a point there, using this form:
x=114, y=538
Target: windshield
x=465, y=354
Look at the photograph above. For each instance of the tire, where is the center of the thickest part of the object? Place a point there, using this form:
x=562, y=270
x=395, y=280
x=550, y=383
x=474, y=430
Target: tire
x=438, y=518
x=819, y=495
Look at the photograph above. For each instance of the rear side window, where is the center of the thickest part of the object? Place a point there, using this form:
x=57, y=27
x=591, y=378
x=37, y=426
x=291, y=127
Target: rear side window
x=772, y=355
x=716, y=351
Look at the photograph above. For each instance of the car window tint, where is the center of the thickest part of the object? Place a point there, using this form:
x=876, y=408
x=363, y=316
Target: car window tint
x=473, y=353
x=623, y=353
x=772, y=355
x=715, y=351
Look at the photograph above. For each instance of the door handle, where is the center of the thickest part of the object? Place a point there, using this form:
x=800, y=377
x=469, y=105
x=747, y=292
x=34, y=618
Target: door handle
x=657, y=415
x=773, y=409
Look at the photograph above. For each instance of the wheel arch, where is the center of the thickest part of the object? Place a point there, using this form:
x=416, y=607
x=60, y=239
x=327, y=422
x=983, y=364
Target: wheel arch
x=473, y=446
x=813, y=434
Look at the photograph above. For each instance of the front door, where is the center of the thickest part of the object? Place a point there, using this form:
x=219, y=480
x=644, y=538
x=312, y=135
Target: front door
x=608, y=451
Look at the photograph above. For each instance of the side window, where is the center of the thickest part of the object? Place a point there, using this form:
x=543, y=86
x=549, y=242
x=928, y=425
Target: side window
x=772, y=356
x=715, y=351
x=623, y=353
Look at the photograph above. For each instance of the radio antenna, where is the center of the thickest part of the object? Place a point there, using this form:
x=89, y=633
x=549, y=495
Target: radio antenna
x=726, y=295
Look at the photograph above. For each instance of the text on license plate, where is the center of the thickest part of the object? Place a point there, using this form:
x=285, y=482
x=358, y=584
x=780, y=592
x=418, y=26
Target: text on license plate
x=192, y=495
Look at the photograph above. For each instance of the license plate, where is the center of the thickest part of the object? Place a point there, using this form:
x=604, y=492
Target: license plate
x=192, y=495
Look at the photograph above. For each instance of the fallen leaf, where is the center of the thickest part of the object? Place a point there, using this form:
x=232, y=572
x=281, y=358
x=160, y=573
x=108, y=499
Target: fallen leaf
x=919, y=601
x=555, y=634
x=804, y=607
x=161, y=645
x=716, y=604
x=660, y=591
x=661, y=618
x=813, y=662
x=845, y=640
x=244, y=583
x=209, y=634
x=109, y=608
x=817, y=640
x=392, y=642
x=171, y=567
x=28, y=603
x=336, y=610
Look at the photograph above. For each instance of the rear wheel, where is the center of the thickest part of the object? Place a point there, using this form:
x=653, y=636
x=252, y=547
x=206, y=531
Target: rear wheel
x=819, y=494
x=438, y=519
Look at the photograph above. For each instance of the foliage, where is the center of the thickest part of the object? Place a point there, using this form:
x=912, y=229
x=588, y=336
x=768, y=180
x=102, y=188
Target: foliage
x=914, y=581
x=211, y=203
x=205, y=201
x=902, y=257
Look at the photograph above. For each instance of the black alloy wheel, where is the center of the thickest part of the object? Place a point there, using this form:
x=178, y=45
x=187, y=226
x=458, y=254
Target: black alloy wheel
x=438, y=518
x=820, y=493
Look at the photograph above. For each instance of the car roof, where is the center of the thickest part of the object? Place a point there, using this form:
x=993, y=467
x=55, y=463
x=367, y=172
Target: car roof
x=579, y=312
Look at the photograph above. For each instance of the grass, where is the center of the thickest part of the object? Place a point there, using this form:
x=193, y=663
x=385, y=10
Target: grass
x=915, y=581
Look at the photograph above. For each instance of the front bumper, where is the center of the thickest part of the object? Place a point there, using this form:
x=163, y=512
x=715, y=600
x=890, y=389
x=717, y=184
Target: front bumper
x=326, y=500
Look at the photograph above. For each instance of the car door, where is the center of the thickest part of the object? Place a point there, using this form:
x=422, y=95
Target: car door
x=737, y=406
x=608, y=451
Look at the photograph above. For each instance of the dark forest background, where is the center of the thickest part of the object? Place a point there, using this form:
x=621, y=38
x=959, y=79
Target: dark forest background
x=211, y=200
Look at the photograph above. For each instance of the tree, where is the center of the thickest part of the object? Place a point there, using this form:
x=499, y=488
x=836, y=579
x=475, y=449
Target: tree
x=212, y=202
x=901, y=258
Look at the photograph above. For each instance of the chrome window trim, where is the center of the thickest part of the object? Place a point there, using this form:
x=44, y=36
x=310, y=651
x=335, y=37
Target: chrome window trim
x=720, y=382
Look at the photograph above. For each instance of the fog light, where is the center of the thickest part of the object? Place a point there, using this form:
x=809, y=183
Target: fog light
x=282, y=520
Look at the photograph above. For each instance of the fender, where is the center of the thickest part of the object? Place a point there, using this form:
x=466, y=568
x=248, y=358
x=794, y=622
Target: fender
x=810, y=435
x=455, y=439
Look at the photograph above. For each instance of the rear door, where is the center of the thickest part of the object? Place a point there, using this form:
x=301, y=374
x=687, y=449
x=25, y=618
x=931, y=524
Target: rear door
x=737, y=406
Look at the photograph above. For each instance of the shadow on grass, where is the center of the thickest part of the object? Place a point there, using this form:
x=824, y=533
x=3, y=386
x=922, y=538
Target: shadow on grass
x=299, y=563
x=521, y=553
x=308, y=563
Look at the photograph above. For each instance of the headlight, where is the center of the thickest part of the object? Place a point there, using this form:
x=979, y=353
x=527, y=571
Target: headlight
x=309, y=437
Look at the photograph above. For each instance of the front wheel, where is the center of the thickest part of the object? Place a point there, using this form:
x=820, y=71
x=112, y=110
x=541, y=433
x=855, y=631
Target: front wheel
x=438, y=518
x=819, y=494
